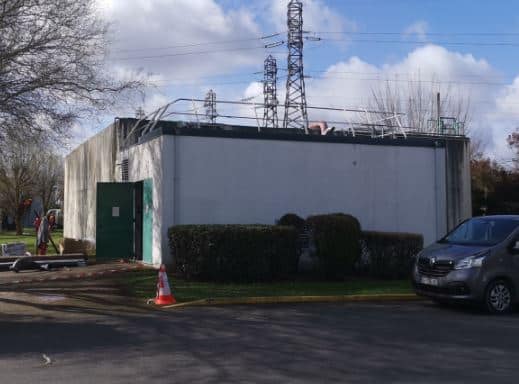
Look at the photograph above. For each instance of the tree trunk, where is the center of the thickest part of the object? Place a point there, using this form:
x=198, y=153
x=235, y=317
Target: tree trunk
x=18, y=223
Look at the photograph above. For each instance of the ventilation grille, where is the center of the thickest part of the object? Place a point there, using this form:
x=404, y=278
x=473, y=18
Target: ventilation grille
x=124, y=170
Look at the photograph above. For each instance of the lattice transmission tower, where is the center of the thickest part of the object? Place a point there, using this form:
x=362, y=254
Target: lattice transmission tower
x=270, y=111
x=210, y=106
x=295, y=101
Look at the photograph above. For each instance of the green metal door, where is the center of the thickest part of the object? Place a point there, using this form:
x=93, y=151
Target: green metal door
x=147, y=221
x=114, y=227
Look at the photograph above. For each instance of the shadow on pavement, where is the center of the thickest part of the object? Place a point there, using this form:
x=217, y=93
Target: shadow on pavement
x=95, y=297
x=46, y=336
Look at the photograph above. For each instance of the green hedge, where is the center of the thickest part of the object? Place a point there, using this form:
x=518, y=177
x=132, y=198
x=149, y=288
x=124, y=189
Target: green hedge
x=292, y=220
x=234, y=253
x=387, y=254
x=337, y=243
x=297, y=222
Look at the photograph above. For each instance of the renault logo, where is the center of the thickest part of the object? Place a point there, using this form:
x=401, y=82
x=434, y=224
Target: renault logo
x=432, y=261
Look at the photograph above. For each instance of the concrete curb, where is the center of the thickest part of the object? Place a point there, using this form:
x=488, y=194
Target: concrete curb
x=296, y=299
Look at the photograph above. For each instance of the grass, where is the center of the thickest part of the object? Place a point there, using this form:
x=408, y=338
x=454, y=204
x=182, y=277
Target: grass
x=142, y=284
x=29, y=238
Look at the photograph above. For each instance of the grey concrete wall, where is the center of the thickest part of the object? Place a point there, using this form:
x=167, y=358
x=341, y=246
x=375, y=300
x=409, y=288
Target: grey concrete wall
x=93, y=161
x=223, y=180
x=459, y=202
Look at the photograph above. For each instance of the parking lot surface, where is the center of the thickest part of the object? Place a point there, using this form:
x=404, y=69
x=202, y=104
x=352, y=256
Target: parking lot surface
x=89, y=339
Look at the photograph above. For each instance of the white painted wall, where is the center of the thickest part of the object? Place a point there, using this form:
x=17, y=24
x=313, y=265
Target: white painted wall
x=199, y=180
x=222, y=180
x=145, y=162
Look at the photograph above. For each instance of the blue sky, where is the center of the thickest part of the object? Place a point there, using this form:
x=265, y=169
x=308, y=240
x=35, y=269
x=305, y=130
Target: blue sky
x=466, y=49
x=454, y=18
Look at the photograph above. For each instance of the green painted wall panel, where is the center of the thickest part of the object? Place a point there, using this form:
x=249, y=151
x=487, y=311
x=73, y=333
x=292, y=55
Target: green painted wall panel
x=147, y=221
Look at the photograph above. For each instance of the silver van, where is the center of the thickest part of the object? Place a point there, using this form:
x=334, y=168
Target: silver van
x=477, y=261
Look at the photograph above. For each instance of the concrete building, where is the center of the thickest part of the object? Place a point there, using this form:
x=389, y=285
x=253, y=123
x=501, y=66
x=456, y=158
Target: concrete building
x=124, y=188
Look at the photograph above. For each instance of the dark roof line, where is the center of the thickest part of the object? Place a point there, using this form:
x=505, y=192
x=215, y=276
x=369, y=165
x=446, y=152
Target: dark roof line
x=181, y=128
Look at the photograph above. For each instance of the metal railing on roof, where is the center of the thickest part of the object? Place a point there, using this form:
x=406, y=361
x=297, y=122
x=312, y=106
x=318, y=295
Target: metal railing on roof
x=388, y=124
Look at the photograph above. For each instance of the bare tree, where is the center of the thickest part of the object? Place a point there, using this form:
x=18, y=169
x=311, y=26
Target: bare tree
x=19, y=164
x=52, y=68
x=418, y=103
x=49, y=180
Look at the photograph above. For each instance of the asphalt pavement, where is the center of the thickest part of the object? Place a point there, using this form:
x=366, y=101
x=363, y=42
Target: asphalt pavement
x=89, y=339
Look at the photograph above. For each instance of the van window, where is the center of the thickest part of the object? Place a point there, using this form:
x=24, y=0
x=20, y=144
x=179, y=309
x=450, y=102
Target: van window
x=482, y=231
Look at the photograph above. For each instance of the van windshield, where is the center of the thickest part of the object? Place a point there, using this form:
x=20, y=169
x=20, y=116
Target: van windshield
x=482, y=231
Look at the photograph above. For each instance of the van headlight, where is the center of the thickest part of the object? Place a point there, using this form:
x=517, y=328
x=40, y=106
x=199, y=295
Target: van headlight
x=475, y=261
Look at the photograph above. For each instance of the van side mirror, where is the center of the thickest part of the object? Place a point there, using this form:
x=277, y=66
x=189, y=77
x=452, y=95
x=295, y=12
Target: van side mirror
x=515, y=247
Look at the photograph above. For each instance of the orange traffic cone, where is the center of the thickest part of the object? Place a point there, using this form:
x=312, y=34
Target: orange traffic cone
x=164, y=295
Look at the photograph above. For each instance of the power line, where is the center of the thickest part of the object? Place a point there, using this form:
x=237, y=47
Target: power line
x=165, y=83
x=387, y=79
x=422, y=42
x=408, y=74
x=197, y=83
x=187, y=45
x=182, y=80
x=330, y=75
x=384, y=33
x=335, y=96
x=266, y=37
x=417, y=74
x=267, y=47
x=189, y=53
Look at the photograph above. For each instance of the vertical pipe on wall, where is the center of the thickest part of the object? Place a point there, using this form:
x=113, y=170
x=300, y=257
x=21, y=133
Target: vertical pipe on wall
x=438, y=111
x=174, y=191
x=448, y=181
x=441, y=188
x=436, y=191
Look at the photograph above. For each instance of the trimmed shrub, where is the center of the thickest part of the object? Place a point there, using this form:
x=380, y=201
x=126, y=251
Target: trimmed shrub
x=297, y=222
x=234, y=253
x=337, y=243
x=388, y=254
x=292, y=220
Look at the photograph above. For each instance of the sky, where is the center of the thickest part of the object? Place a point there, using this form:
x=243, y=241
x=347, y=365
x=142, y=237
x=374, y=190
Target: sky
x=467, y=50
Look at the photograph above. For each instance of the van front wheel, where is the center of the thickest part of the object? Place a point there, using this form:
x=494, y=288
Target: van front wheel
x=498, y=297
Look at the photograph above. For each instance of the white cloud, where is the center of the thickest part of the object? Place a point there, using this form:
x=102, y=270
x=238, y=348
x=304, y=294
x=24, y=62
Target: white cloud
x=508, y=100
x=419, y=29
x=254, y=91
x=158, y=37
x=502, y=118
x=351, y=83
